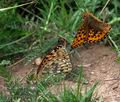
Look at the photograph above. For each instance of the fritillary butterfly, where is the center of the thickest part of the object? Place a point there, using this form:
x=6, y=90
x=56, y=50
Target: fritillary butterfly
x=92, y=30
x=56, y=61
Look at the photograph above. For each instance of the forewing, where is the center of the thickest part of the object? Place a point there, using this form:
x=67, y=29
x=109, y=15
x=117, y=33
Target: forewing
x=80, y=38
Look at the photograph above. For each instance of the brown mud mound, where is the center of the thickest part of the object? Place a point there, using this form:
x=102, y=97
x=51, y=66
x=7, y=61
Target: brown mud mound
x=21, y=71
x=3, y=88
x=103, y=68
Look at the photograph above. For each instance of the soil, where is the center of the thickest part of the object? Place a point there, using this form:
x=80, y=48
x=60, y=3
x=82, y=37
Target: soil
x=100, y=64
x=105, y=69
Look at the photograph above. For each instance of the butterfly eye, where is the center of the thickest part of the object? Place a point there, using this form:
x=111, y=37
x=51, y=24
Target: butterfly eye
x=74, y=33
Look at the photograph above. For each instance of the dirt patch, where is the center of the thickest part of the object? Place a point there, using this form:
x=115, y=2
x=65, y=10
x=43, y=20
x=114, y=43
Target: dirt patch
x=3, y=87
x=102, y=67
x=21, y=71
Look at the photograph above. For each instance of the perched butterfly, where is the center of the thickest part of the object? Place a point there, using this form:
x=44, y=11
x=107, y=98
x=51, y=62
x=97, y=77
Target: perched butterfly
x=56, y=61
x=92, y=30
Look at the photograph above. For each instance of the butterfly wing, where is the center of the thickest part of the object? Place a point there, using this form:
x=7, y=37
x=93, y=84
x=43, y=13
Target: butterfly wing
x=93, y=38
x=80, y=38
x=64, y=63
x=91, y=31
x=97, y=29
x=55, y=62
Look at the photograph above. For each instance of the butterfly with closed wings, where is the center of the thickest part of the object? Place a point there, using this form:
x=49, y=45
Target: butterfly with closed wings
x=57, y=61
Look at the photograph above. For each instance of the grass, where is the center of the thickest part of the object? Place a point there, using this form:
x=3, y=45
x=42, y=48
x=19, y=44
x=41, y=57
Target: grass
x=52, y=19
x=40, y=92
x=27, y=33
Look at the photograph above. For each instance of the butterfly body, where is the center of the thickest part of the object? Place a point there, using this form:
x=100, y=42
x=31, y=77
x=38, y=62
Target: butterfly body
x=92, y=30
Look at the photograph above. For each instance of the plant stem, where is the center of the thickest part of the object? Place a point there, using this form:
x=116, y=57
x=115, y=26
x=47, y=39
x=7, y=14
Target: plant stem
x=104, y=7
x=16, y=41
x=16, y=6
x=45, y=28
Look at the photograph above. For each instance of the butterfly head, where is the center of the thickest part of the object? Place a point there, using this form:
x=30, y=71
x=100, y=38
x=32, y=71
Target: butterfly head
x=87, y=16
x=62, y=41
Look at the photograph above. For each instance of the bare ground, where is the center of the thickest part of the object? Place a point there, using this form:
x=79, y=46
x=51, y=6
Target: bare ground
x=102, y=67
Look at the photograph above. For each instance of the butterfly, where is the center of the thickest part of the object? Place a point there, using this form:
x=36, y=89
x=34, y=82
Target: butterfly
x=92, y=30
x=56, y=61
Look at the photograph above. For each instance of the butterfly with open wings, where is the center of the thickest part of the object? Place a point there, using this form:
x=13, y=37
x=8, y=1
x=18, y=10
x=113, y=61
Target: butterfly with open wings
x=92, y=30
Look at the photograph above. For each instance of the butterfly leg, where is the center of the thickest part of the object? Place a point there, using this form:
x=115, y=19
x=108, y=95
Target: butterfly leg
x=86, y=45
x=75, y=55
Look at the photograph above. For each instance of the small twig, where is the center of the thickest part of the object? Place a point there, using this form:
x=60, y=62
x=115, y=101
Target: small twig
x=116, y=82
x=18, y=52
x=26, y=75
x=16, y=41
x=114, y=44
x=16, y=63
x=48, y=18
x=35, y=42
x=84, y=65
x=115, y=20
x=32, y=13
x=112, y=79
x=16, y=6
x=104, y=7
x=30, y=48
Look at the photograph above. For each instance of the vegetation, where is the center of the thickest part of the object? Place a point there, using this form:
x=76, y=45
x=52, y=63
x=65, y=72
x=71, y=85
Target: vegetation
x=40, y=92
x=29, y=28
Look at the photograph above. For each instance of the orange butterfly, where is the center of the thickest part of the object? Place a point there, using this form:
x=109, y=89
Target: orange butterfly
x=92, y=30
x=56, y=61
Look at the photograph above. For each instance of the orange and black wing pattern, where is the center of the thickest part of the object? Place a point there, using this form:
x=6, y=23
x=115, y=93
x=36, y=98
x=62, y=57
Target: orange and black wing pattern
x=56, y=61
x=92, y=30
